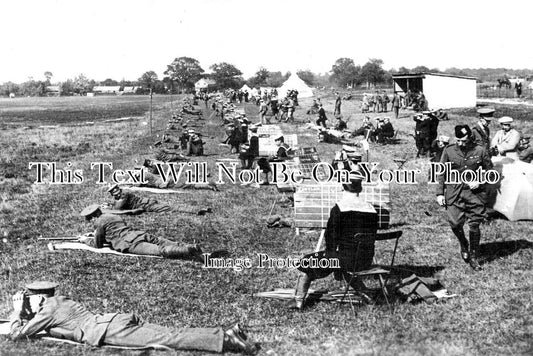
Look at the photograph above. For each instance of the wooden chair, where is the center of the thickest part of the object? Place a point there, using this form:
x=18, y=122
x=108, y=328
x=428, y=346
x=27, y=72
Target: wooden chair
x=377, y=270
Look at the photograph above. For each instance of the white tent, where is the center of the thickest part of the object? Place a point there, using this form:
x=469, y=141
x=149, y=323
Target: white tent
x=294, y=82
x=246, y=88
x=530, y=86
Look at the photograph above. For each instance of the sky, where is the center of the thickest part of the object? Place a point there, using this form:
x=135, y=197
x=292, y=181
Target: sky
x=123, y=39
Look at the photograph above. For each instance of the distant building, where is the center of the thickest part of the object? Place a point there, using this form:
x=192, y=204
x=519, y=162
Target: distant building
x=203, y=84
x=52, y=90
x=107, y=90
x=441, y=90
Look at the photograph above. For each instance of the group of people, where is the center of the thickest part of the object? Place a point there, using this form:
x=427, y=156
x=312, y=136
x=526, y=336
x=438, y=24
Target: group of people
x=473, y=148
x=376, y=102
x=381, y=132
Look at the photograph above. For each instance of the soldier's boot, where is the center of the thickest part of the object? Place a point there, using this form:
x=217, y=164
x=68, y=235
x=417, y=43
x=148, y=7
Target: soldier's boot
x=304, y=282
x=188, y=252
x=475, y=236
x=460, y=234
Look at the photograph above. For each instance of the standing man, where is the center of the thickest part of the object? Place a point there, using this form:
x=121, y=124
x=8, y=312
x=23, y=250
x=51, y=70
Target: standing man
x=321, y=121
x=337, y=111
x=465, y=201
x=396, y=103
x=263, y=108
x=386, y=101
x=506, y=140
x=481, y=131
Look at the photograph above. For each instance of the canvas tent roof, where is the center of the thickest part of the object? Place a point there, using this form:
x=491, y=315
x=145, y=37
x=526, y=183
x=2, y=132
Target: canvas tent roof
x=294, y=82
x=246, y=88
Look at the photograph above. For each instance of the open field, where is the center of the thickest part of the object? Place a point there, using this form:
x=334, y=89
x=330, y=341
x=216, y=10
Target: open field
x=74, y=110
x=492, y=315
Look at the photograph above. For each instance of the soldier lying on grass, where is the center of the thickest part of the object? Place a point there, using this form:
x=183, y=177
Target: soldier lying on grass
x=127, y=200
x=37, y=309
x=112, y=229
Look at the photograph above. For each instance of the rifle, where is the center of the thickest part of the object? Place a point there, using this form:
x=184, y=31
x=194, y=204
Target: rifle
x=59, y=238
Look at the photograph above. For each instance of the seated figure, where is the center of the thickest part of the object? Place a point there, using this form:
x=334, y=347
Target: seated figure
x=351, y=215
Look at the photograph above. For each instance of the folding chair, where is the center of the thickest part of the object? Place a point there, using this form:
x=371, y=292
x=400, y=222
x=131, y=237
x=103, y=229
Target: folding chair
x=375, y=269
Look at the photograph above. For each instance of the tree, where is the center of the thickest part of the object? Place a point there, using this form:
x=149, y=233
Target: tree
x=372, y=72
x=185, y=71
x=109, y=82
x=48, y=75
x=307, y=76
x=81, y=85
x=403, y=70
x=260, y=78
x=276, y=79
x=345, y=72
x=148, y=79
x=8, y=88
x=420, y=69
x=226, y=75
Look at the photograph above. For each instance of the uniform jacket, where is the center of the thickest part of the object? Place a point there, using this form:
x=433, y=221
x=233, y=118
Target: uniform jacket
x=481, y=135
x=472, y=158
x=129, y=201
x=112, y=229
x=63, y=318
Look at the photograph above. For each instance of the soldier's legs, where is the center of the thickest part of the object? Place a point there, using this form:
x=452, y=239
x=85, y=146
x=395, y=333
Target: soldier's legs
x=475, y=213
x=123, y=333
x=456, y=219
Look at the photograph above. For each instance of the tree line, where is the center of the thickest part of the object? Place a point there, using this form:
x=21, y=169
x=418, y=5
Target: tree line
x=183, y=72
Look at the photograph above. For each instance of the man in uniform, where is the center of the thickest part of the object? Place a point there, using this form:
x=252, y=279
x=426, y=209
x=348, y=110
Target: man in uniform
x=337, y=111
x=351, y=215
x=340, y=125
x=112, y=229
x=506, y=140
x=385, y=131
x=37, y=309
x=396, y=103
x=263, y=108
x=127, y=200
x=250, y=151
x=481, y=131
x=422, y=134
x=281, y=155
x=195, y=145
x=465, y=201
x=321, y=121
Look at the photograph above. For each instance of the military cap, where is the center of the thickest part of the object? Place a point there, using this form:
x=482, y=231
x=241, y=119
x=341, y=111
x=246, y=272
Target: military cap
x=462, y=131
x=526, y=138
x=426, y=112
x=191, y=131
x=486, y=113
x=90, y=210
x=280, y=138
x=505, y=120
x=113, y=187
x=41, y=287
x=444, y=138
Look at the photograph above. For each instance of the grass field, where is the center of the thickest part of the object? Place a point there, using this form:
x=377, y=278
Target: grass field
x=492, y=315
